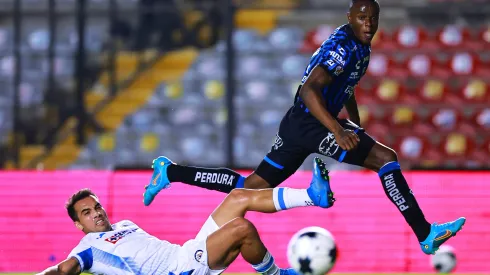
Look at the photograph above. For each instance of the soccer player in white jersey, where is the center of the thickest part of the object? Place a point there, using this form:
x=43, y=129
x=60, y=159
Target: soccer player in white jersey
x=125, y=248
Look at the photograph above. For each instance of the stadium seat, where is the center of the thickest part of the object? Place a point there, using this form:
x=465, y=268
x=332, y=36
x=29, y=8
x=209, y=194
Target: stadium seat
x=6, y=39
x=481, y=154
x=126, y=138
x=475, y=91
x=433, y=90
x=286, y=39
x=463, y=63
x=411, y=37
x=421, y=65
x=383, y=41
x=454, y=37
x=210, y=66
x=252, y=66
x=385, y=65
x=106, y=142
x=391, y=91
x=378, y=130
x=214, y=90
x=407, y=120
x=411, y=147
x=481, y=119
x=364, y=91
x=290, y=64
x=315, y=37
x=365, y=115
x=484, y=37
x=445, y=120
x=7, y=65
x=456, y=146
x=149, y=144
x=245, y=39
x=452, y=119
x=402, y=116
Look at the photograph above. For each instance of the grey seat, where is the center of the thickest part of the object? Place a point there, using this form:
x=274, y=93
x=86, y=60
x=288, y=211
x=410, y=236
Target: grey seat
x=286, y=39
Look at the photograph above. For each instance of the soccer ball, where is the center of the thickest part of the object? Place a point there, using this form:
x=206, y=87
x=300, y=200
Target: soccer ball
x=312, y=251
x=444, y=260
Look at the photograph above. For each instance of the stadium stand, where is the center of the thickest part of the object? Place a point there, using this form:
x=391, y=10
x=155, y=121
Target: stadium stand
x=425, y=93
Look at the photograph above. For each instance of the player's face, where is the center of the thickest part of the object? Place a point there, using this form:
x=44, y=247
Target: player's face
x=91, y=216
x=363, y=17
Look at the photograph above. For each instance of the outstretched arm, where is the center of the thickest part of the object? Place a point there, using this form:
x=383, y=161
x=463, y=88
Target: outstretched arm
x=352, y=110
x=67, y=267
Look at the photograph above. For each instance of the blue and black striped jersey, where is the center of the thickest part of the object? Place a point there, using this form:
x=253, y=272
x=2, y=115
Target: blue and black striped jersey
x=346, y=59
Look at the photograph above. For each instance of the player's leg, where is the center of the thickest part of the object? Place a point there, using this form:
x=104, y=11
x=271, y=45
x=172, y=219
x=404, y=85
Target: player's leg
x=384, y=161
x=240, y=237
x=279, y=164
x=240, y=201
x=237, y=235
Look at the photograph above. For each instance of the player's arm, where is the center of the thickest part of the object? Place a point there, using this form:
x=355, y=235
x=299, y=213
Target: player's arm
x=310, y=93
x=69, y=266
x=352, y=110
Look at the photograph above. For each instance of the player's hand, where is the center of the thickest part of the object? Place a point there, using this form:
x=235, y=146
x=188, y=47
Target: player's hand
x=347, y=139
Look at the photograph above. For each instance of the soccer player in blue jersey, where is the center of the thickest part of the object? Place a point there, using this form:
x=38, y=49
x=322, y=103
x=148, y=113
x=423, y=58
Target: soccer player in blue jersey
x=311, y=126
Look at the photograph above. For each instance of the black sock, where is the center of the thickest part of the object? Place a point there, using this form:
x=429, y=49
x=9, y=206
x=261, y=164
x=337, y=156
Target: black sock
x=397, y=189
x=219, y=179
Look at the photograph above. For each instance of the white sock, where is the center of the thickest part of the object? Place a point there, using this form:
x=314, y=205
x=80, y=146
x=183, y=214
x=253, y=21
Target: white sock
x=267, y=266
x=286, y=198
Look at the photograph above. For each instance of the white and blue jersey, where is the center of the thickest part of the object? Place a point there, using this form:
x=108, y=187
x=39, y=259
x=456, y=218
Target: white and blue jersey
x=346, y=59
x=127, y=249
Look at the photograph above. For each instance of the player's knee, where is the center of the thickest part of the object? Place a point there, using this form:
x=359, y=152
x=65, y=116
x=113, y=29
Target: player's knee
x=239, y=197
x=254, y=181
x=387, y=155
x=243, y=228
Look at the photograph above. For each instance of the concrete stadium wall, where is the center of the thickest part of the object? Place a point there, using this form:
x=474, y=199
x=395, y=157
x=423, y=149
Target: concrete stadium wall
x=372, y=236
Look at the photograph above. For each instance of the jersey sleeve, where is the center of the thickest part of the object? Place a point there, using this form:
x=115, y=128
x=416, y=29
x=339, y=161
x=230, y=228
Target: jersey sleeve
x=83, y=253
x=335, y=57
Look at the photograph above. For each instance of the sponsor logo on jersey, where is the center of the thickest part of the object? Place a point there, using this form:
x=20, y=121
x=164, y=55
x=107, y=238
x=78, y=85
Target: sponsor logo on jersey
x=354, y=75
x=337, y=58
x=349, y=90
x=218, y=178
x=119, y=235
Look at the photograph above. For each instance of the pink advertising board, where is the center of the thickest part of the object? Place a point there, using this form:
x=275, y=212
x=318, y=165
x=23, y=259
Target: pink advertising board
x=372, y=236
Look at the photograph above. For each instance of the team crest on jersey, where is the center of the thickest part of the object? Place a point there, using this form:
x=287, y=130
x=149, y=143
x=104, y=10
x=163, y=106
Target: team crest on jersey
x=338, y=70
x=198, y=255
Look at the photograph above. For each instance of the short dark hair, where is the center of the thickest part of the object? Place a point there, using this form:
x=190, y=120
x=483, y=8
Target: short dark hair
x=80, y=195
x=355, y=1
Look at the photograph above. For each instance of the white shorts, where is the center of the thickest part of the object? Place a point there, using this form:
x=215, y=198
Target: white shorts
x=194, y=255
